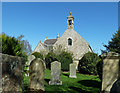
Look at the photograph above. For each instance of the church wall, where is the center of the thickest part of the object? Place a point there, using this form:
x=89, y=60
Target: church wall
x=79, y=45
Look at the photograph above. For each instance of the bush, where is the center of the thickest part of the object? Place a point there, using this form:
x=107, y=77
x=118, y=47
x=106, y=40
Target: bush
x=65, y=58
x=99, y=69
x=50, y=57
x=88, y=63
x=38, y=55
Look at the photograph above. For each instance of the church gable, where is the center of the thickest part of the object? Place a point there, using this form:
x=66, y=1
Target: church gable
x=40, y=47
x=72, y=41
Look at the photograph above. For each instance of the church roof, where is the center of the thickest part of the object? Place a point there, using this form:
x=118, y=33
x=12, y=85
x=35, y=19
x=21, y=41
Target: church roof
x=50, y=41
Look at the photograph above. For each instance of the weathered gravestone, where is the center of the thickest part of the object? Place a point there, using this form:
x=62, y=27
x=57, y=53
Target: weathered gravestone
x=72, y=70
x=110, y=70
x=12, y=73
x=55, y=73
x=36, y=76
x=30, y=58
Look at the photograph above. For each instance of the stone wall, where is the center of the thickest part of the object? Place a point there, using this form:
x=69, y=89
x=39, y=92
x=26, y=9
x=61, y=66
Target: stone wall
x=110, y=70
x=12, y=73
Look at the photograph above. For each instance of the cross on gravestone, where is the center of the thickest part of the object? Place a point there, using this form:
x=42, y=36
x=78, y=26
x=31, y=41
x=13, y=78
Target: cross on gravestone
x=72, y=70
x=55, y=73
x=36, y=77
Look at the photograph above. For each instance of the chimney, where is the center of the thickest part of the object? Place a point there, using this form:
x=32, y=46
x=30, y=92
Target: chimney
x=57, y=35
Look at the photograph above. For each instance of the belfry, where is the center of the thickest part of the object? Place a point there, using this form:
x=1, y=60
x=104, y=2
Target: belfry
x=70, y=41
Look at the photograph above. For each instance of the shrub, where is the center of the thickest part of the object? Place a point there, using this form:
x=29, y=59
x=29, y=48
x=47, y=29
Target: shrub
x=50, y=57
x=65, y=58
x=88, y=63
x=99, y=69
x=38, y=55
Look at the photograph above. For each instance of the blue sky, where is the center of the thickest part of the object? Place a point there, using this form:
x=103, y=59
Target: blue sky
x=95, y=22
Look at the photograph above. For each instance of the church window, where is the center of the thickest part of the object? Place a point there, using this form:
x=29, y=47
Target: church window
x=70, y=41
x=70, y=22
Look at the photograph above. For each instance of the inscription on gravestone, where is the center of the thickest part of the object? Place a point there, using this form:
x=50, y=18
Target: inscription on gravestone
x=55, y=73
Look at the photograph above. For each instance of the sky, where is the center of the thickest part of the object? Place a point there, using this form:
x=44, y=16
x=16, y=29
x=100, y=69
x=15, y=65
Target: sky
x=96, y=22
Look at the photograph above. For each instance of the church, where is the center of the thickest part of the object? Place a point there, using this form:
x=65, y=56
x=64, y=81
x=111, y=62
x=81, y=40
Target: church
x=70, y=41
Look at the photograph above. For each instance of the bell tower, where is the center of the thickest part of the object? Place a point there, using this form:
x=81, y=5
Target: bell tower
x=70, y=22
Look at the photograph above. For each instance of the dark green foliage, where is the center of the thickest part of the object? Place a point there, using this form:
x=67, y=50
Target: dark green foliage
x=114, y=44
x=14, y=46
x=88, y=63
x=99, y=69
x=50, y=57
x=64, y=57
x=38, y=55
x=11, y=46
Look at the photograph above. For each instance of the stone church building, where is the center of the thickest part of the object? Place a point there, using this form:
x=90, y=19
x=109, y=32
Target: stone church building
x=70, y=41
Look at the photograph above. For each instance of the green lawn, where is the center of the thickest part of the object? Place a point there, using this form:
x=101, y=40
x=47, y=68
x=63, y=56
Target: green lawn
x=82, y=84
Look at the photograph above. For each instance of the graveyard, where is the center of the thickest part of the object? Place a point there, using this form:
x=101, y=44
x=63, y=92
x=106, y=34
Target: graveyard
x=81, y=84
x=41, y=62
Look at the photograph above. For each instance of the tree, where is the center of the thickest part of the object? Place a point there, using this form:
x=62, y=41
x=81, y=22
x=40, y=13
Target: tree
x=14, y=46
x=89, y=63
x=114, y=44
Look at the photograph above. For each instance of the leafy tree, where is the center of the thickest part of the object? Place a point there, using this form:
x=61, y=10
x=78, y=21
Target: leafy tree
x=65, y=58
x=88, y=63
x=50, y=57
x=114, y=44
x=14, y=46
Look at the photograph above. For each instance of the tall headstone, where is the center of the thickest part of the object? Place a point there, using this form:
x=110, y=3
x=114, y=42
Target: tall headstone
x=110, y=70
x=36, y=75
x=72, y=70
x=12, y=74
x=55, y=73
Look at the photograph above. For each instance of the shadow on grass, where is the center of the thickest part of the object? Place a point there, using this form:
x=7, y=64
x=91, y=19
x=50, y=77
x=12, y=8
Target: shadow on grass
x=65, y=74
x=90, y=83
x=79, y=90
x=47, y=80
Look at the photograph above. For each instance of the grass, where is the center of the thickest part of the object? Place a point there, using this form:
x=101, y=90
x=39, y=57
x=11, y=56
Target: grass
x=81, y=84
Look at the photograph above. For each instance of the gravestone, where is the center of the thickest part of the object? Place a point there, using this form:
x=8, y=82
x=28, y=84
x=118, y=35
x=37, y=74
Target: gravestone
x=72, y=70
x=55, y=73
x=110, y=70
x=12, y=74
x=30, y=58
x=36, y=75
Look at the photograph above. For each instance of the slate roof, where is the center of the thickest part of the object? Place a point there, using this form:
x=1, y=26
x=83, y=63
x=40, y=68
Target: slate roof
x=50, y=41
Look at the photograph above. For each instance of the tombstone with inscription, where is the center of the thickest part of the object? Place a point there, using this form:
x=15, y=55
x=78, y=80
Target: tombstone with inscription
x=55, y=73
x=72, y=70
x=36, y=77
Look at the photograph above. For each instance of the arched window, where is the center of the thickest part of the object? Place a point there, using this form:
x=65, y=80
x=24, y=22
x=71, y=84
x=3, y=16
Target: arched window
x=70, y=22
x=69, y=41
